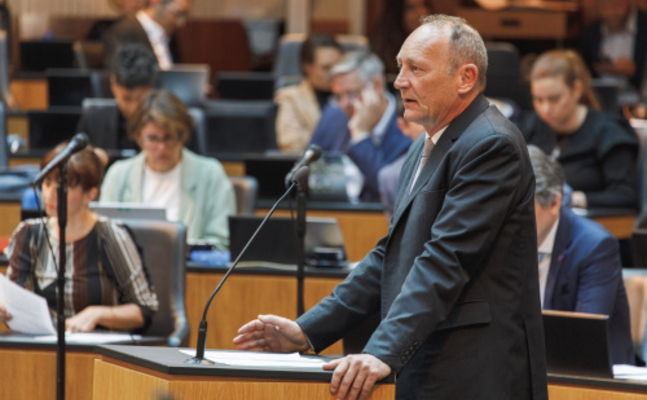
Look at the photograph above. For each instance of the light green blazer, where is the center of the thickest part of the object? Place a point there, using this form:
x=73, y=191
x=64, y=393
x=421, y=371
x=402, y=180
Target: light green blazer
x=207, y=197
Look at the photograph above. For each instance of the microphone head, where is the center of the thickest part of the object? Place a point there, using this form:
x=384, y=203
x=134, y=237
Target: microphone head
x=80, y=140
x=315, y=152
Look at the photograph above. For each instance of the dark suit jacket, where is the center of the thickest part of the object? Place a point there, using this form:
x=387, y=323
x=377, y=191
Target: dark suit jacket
x=591, y=39
x=332, y=134
x=131, y=31
x=586, y=276
x=103, y=126
x=455, y=279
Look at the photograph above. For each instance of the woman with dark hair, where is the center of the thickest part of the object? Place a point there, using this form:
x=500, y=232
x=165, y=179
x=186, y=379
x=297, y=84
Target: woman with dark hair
x=399, y=19
x=107, y=285
x=598, y=151
x=300, y=105
x=193, y=189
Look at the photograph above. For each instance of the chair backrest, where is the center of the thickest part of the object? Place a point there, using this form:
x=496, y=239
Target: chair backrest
x=607, y=94
x=504, y=77
x=635, y=280
x=641, y=181
x=5, y=92
x=240, y=126
x=69, y=87
x=235, y=85
x=287, y=69
x=163, y=245
x=197, y=141
x=52, y=126
x=246, y=189
x=88, y=55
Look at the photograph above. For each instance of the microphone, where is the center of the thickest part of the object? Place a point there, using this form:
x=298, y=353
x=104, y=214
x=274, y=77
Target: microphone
x=312, y=153
x=300, y=177
x=78, y=143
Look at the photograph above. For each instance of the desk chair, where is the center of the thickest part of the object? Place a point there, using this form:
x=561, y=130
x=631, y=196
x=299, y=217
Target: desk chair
x=246, y=188
x=70, y=86
x=641, y=181
x=504, y=78
x=5, y=92
x=88, y=54
x=163, y=246
x=287, y=69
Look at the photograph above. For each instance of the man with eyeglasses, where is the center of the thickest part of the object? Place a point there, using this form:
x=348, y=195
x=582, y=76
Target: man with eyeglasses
x=360, y=121
x=154, y=27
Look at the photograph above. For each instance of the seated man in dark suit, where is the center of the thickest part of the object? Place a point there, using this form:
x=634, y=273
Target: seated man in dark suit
x=153, y=27
x=579, y=260
x=361, y=121
x=133, y=73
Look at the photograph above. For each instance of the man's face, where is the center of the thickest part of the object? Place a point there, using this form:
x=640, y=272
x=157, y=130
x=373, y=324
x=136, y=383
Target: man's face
x=128, y=99
x=346, y=90
x=318, y=73
x=546, y=218
x=172, y=15
x=429, y=92
x=614, y=13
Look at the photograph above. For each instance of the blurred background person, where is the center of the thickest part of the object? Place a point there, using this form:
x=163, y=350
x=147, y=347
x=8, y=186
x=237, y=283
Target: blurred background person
x=613, y=47
x=300, y=105
x=193, y=189
x=361, y=122
x=579, y=260
x=598, y=151
x=153, y=27
x=399, y=19
x=107, y=284
x=134, y=70
x=125, y=9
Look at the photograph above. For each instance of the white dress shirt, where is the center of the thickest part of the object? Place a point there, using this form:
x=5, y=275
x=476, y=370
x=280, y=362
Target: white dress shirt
x=163, y=190
x=546, y=249
x=158, y=38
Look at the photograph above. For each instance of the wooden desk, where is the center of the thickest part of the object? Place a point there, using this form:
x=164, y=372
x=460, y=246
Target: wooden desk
x=145, y=374
x=244, y=297
x=29, y=94
x=583, y=388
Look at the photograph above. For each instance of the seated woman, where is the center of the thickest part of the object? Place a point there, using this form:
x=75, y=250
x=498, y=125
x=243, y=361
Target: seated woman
x=107, y=284
x=300, y=105
x=193, y=189
x=598, y=151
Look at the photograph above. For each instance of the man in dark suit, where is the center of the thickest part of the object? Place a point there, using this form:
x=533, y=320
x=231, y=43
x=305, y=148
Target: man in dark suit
x=454, y=280
x=361, y=122
x=152, y=27
x=614, y=45
x=579, y=260
x=133, y=74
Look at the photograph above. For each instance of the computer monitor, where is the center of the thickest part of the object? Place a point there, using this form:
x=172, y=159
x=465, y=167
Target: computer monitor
x=277, y=241
x=53, y=126
x=245, y=85
x=240, y=126
x=69, y=87
x=577, y=344
x=39, y=55
x=270, y=172
x=187, y=81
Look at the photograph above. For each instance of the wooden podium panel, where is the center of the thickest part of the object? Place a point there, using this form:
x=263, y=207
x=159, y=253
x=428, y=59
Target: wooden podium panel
x=576, y=392
x=30, y=374
x=138, y=376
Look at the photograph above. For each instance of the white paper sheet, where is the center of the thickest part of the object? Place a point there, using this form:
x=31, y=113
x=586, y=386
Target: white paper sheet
x=90, y=337
x=623, y=371
x=29, y=311
x=260, y=359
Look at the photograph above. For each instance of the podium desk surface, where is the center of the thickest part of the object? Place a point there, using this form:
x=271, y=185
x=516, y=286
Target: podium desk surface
x=9, y=340
x=601, y=383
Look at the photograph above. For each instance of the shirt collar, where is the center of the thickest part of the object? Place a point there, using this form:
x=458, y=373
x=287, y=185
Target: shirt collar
x=437, y=135
x=548, y=243
x=154, y=30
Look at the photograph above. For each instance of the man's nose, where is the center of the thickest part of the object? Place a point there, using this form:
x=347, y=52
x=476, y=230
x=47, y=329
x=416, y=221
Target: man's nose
x=400, y=81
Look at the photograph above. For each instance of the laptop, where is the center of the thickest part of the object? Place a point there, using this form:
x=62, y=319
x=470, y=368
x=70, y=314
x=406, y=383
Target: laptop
x=577, y=344
x=187, y=81
x=277, y=241
x=128, y=210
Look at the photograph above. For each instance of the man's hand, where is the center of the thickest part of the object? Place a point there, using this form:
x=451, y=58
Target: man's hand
x=271, y=333
x=366, y=114
x=355, y=375
x=623, y=66
x=86, y=320
x=4, y=314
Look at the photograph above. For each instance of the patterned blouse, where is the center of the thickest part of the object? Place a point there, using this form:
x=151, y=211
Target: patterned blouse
x=103, y=268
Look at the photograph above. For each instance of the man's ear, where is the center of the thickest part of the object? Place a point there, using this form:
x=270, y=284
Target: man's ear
x=467, y=75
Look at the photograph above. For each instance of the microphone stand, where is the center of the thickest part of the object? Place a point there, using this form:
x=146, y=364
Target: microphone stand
x=301, y=234
x=62, y=261
x=296, y=180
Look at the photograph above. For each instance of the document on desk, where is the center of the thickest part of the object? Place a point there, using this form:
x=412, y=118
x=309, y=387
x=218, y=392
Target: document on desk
x=261, y=359
x=623, y=371
x=91, y=337
x=28, y=310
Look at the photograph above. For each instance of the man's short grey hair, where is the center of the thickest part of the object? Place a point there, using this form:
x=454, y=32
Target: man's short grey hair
x=367, y=65
x=465, y=44
x=549, y=176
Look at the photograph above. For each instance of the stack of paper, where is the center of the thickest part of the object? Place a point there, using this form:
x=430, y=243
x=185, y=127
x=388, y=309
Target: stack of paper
x=260, y=359
x=28, y=310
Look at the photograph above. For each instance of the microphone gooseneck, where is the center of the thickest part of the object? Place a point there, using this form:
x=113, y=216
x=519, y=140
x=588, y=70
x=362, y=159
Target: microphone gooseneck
x=202, y=329
x=312, y=154
x=79, y=142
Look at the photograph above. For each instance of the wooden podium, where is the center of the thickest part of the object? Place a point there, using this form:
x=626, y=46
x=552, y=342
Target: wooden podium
x=141, y=373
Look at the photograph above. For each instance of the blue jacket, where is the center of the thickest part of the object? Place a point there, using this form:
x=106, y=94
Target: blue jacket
x=332, y=134
x=586, y=276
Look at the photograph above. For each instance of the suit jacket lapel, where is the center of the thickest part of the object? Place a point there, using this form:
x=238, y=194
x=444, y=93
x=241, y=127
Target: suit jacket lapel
x=563, y=239
x=453, y=132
